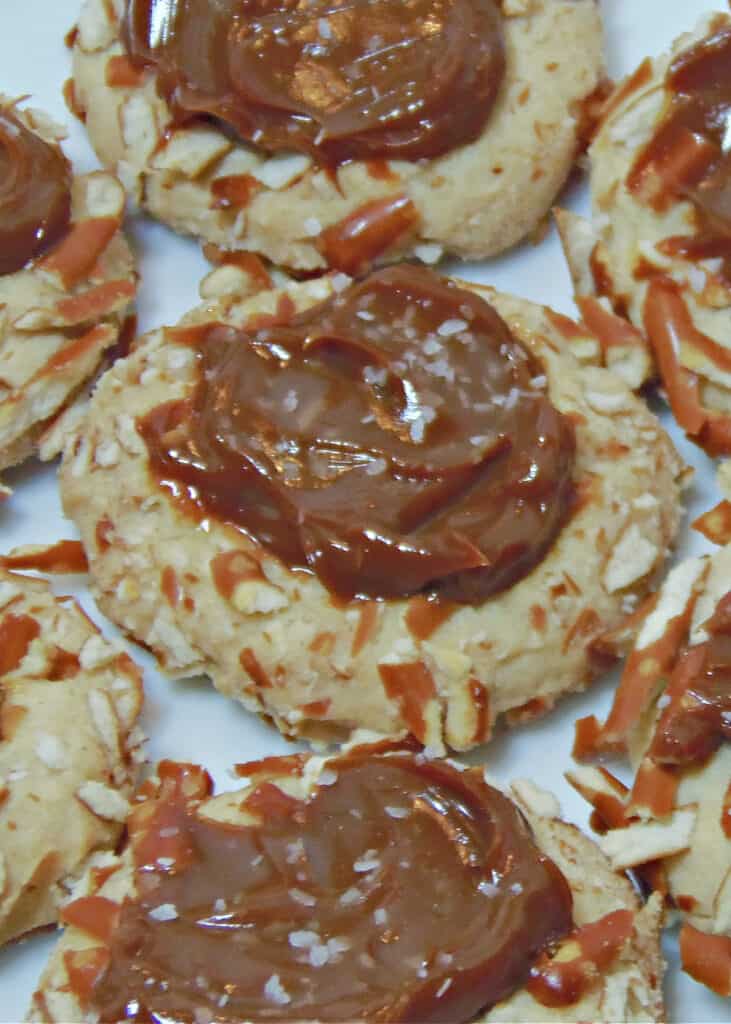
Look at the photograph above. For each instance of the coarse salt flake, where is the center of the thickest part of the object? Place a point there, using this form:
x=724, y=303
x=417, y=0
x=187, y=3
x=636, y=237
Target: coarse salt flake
x=336, y=946
x=368, y=862
x=275, y=992
x=512, y=398
x=319, y=956
x=165, y=912
x=449, y=327
x=440, y=368
x=303, y=939
x=304, y=898
x=375, y=375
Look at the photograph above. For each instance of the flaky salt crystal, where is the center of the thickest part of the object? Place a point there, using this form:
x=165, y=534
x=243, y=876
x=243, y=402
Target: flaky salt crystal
x=449, y=327
x=165, y=912
x=275, y=991
x=368, y=862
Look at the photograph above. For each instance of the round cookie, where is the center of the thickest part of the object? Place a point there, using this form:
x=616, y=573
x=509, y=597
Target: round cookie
x=319, y=847
x=205, y=598
x=69, y=751
x=63, y=308
x=671, y=713
x=475, y=201
x=654, y=252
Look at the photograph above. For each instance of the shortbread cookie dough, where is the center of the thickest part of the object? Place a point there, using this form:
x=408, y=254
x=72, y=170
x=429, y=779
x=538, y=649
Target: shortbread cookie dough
x=363, y=603
x=66, y=278
x=672, y=713
x=303, y=898
x=69, y=702
x=457, y=123
x=657, y=250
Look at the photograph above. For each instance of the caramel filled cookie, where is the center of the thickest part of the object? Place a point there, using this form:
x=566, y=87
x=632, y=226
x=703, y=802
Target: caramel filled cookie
x=654, y=263
x=66, y=281
x=340, y=135
x=373, y=886
x=672, y=714
x=398, y=505
x=69, y=750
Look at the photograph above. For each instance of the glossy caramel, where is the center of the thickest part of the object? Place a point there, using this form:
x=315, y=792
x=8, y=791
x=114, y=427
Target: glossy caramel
x=689, y=155
x=400, y=890
x=338, y=78
x=394, y=440
x=698, y=717
x=35, y=194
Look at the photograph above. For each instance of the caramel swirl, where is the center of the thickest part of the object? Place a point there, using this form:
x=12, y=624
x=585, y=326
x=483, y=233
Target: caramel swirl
x=698, y=716
x=399, y=890
x=340, y=78
x=689, y=156
x=393, y=440
x=35, y=194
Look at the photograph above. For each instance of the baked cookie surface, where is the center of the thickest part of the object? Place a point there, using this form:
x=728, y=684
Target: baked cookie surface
x=62, y=304
x=655, y=251
x=474, y=201
x=671, y=713
x=334, y=849
x=206, y=597
x=69, y=751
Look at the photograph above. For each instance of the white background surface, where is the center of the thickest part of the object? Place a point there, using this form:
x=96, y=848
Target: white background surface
x=189, y=721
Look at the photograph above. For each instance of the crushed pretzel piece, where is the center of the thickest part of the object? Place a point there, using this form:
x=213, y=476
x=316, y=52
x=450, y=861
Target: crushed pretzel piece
x=707, y=958
x=716, y=523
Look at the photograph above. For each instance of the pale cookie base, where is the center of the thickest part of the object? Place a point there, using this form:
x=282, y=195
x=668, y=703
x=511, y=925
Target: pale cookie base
x=691, y=842
x=474, y=202
x=629, y=990
x=284, y=649
x=625, y=233
x=55, y=329
x=68, y=754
